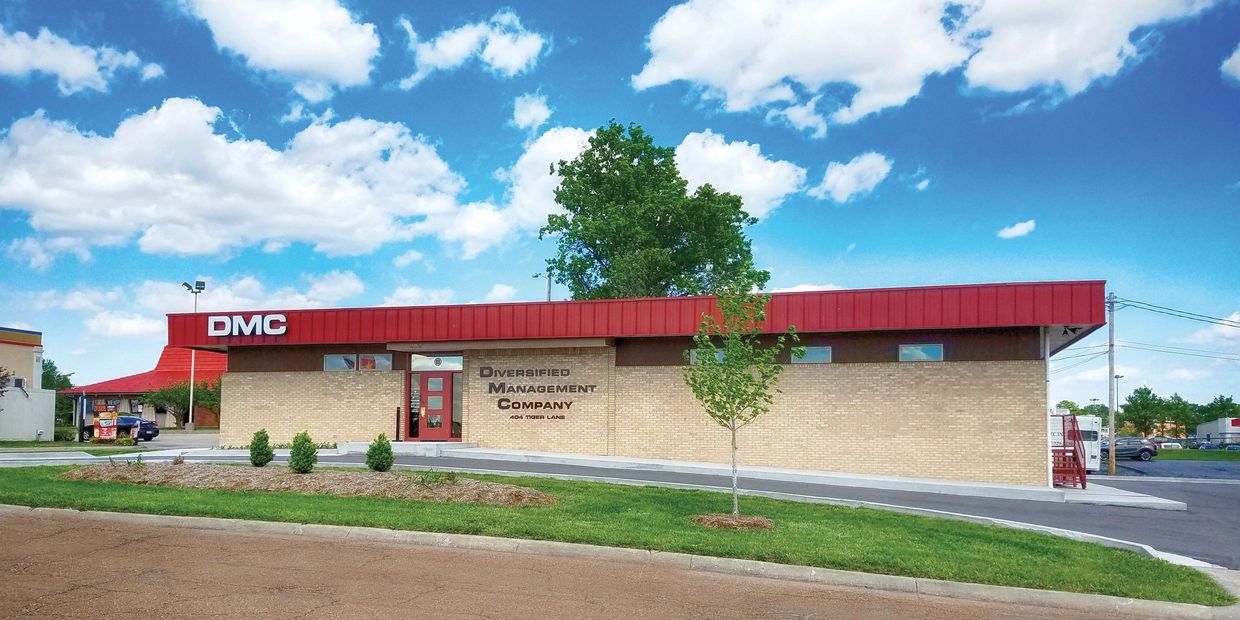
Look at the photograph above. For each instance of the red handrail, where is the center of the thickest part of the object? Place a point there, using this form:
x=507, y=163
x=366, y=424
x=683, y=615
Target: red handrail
x=1068, y=460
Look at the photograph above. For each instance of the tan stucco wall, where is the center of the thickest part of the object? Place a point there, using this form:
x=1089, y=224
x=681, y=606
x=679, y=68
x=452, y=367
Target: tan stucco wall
x=332, y=406
x=19, y=360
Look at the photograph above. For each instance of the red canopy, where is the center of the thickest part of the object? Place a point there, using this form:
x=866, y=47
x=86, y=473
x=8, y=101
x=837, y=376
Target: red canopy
x=172, y=368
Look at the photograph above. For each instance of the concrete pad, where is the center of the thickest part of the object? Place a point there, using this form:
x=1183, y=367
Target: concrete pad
x=412, y=448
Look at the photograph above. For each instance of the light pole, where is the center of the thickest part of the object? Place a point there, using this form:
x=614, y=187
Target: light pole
x=197, y=288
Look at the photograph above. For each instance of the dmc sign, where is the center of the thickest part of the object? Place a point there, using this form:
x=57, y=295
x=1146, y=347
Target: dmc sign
x=237, y=325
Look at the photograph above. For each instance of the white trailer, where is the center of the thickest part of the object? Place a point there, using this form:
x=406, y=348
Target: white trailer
x=1091, y=436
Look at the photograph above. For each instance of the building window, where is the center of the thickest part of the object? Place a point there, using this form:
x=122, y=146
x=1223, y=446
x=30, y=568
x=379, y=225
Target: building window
x=436, y=362
x=813, y=355
x=337, y=361
x=693, y=357
x=921, y=353
x=375, y=361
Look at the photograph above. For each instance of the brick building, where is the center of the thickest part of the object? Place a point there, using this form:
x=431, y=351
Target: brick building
x=942, y=382
x=124, y=394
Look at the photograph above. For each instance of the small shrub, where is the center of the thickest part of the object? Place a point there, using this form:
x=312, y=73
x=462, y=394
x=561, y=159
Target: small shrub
x=126, y=441
x=137, y=462
x=107, y=442
x=379, y=454
x=64, y=433
x=432, y=478
x=260, y=449
x=179, y=460
x=304, y=454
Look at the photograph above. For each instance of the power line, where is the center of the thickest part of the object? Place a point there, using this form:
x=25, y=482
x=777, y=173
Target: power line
x=1167, y=346
x=1183, y=314
x=1079, y=363
x=1215, y=357
x=1068, y=357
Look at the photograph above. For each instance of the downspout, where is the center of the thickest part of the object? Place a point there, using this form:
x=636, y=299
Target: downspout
x=1046, y=416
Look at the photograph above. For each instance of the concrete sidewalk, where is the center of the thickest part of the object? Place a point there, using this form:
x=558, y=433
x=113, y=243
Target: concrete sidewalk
x=1093, y=494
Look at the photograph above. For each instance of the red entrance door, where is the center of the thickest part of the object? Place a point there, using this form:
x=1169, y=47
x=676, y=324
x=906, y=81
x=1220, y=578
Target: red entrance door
x=431, y=406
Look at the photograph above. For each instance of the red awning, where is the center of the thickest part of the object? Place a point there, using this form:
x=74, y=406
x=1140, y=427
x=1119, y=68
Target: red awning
x=172, y=368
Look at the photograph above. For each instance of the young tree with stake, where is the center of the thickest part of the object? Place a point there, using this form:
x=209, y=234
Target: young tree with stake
x=730, y=371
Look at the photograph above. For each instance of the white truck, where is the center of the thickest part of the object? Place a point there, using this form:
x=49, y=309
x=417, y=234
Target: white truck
x=1091, y=436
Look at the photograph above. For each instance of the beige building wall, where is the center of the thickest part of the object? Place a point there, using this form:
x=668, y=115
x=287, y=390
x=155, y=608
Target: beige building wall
x=957, y=420
x=585, y=426
x=19, y=360
x=977, y=421
x=332, y=406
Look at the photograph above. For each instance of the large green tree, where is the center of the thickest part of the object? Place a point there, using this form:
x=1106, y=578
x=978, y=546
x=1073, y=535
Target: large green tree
x=1071, y=406
x=1143, y=409
x=175, y=398
x=730, y=371
x=1220, y=407
x=1181, y=413
x=53, y=379
x=629, y=227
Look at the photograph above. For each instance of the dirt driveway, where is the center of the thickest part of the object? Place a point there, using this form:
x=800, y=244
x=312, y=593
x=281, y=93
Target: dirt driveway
x=66, y=566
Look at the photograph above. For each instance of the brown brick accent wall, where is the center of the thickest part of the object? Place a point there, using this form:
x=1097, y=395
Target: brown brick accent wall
x=332, y=406
x=977, y=421
x=584, y=428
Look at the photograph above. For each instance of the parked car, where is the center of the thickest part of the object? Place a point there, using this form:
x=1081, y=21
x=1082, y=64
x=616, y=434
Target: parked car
x=1136, y=448
x=1234, y=446
x=1207, y=445
x=1170, y=445
x=147, y=430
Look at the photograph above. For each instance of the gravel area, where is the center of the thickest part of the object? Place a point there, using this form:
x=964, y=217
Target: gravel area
x=346, y=483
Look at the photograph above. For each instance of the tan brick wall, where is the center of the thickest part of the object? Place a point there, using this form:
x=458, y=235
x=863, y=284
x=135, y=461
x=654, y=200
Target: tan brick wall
x=332, y=406
x=979, y=421
x=584, y=427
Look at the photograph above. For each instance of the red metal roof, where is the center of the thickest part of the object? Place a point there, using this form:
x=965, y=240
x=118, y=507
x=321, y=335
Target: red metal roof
x=172, y=367
x=927, y=307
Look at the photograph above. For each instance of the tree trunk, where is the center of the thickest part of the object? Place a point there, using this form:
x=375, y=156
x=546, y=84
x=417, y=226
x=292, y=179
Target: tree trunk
x=736, y=510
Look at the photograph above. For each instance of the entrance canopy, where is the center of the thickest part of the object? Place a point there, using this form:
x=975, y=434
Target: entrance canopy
x=1070, y=311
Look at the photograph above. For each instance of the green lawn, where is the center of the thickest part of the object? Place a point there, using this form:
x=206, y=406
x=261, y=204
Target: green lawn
x=1198, y=455
x=857, y=539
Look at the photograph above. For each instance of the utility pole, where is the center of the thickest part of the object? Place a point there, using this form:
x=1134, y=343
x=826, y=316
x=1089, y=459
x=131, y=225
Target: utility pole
x=548, y=284
x=197, y=288
x=1111, y=381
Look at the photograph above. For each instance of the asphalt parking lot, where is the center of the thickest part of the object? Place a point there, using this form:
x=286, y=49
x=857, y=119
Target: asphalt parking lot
x=1213, y=470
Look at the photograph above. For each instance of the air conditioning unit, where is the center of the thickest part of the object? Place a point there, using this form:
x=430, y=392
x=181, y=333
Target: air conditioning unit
x=18, y=382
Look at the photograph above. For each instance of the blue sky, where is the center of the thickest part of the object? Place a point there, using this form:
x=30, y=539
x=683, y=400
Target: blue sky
x=316, y=154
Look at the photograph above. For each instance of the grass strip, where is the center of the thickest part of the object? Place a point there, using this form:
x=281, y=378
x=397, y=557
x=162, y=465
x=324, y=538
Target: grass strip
x=1198, y=455
x=858, y=539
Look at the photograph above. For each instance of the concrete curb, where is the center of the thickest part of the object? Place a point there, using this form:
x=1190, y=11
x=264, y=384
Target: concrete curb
x=1096, y=603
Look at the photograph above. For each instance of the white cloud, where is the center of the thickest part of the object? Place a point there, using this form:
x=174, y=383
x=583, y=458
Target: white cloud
x=856, y=178
x=802, y=117
x=801, y=288
x=40, y=253
x=76, y=67
x=168, y=178
x=530, y=112
x=314, y=44
x=80, y=299
x=529, y=200
x=158, y=298
x=922, y=185
x=501, y=292
x=1187, y=374
x=1061, y=46
x=1019, y=229
x=501, y=43
x=408, y=258
x=121, y=324
x=752, y=54
x=1097, y=374
x=418, y=296
x=1223, y=336
x=1231, y=66
x=737, y=167
x=334, y=286
x=785, y=55
x=151, y=71
x=19, y=325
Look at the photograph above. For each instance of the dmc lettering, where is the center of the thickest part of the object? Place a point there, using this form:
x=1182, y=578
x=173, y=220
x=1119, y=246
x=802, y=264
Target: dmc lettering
x=257, y=325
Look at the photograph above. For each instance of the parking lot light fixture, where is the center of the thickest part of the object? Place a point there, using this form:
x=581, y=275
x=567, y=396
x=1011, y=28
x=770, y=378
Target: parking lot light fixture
x=198, y=287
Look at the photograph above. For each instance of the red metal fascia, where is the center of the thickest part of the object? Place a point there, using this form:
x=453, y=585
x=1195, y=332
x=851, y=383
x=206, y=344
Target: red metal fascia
x=931, y=307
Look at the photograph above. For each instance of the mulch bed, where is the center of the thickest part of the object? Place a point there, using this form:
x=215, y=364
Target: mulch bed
x=347, y=483
x=722, y=521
